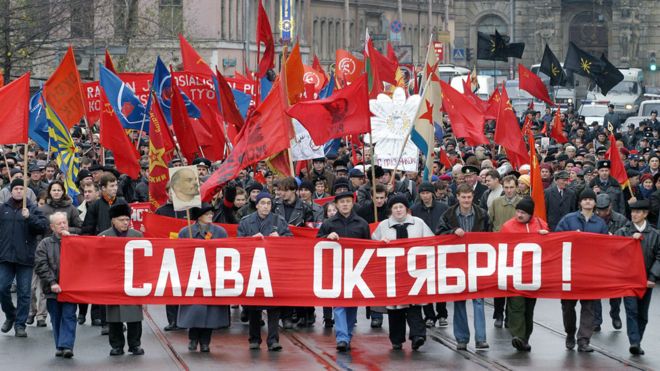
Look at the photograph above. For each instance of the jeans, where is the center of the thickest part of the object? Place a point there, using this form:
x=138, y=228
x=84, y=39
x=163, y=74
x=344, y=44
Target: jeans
x=23, y=275
x=63, y=319
x=397, y=319
x=37, y=299
x=461, y=329
x=345, y=319
x=637, y=316
x=615, y=309
x=586, y=328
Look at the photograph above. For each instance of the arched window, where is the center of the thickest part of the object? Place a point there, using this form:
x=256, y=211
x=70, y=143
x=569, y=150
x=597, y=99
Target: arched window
x=492, y=22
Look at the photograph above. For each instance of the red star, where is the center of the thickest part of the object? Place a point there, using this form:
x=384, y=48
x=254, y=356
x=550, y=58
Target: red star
x=428, y=115
x=430, y=70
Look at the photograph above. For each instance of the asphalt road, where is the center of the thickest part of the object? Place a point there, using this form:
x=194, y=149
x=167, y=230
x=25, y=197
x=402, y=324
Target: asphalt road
x=314, y=348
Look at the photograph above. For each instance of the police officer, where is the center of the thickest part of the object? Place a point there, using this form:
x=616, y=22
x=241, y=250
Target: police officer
x=607, y=184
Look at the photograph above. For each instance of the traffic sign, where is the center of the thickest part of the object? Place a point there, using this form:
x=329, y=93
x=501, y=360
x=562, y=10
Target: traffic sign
x=439, y=47
x=396, y=26
x=459, y=54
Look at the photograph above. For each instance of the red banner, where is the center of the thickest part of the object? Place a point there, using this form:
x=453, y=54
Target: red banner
x=290, y=271
x=138, y=81
x=138, y=211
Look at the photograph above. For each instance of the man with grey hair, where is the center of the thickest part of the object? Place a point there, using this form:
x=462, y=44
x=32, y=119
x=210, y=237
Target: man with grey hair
x=47, y=268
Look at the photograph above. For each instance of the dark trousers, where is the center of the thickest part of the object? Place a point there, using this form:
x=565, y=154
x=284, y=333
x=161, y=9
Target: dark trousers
x=586, y=328
x=440, y=308
x=98, y=312
x=304, y=313
x=327, y=312
x=397, y=319
x=116, y=334
x=202, y=335
x=82, y=309
x=63, y=319
x=615, y=309
x=254, y=316
x=637, y=316
x=172, y=312
x=500, y=304
x=18, y=313
x=520, y=316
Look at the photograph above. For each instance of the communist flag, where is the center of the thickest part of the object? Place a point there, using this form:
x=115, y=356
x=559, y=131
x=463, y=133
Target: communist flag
x=14, y=117
x=114, y=138
x=63, y=91
x=265, y=35
x=183, y=128
x=347, y=67
x=557, y=132
x=294, y=75
x=507, y=132
x=160, y=153
x=537, y=183
x=467, y=121
x=192, y=61
x=531, y=83
x=617, y=168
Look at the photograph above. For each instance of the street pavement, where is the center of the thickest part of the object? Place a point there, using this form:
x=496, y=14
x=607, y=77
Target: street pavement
x=314, y=348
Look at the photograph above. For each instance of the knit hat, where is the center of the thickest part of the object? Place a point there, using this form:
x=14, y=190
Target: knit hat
x=397, y=199
x=587, y=193
x=15, y=183
x=426, y=187
x=263, y=195
x=120, y=209
x=525, y=179
x=526, y=205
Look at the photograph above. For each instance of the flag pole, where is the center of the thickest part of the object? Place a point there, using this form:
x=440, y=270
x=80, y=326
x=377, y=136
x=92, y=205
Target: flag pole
x=189, y=226
x=373, y=174
x=144, y=118
x=25, y=174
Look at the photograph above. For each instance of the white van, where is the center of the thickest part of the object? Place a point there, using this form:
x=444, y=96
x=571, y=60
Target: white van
x=626, y=95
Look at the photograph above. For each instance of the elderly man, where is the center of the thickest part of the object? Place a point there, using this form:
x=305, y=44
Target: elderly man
x=116, y=315
x=559, y=199
x=19, y=227
x=47, y=267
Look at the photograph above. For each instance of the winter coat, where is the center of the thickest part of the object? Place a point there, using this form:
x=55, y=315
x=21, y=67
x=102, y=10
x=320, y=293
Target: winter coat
x=47, y=264
x=534, y=225
x=615, y=222
x=197, y=315
x=300, y=215
x=430, y=215
x=123, y=313
x=253, y=224
x=366, y=212
x=449, y=221
x=650, y=248
x=18, y=236
x=247, y=209
x=5, y=195
x=64, y=206
x=97, y=218
x=501, y=210
x=613, y=189
x=558, y=206
x=576, y=221
x=351, y=227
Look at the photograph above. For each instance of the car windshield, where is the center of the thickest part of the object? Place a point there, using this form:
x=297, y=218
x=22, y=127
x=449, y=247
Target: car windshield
x=593, y=111
x=625, y=87
x=646, y=111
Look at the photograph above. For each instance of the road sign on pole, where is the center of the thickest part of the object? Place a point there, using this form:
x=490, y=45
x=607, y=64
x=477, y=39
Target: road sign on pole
x=439, y=47
x=459, y=54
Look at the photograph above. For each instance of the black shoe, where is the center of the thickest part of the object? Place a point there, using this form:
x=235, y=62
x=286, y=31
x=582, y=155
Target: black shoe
x=105, y=330
x=204, y=348
x=9, y=323
x=442, y=322
x=311, y=320
x=41, y=323
x=636, y=350
x=192, y=346
x=287, y=323
x=498, y=322
x=461, y=346
x=137, y=351
x=570, y=342
x=397, y=346
x=81, y=319
x=275, y=347
x=67, y=353
x=481, y=345
x=328, y=322
x=585, y=348
x=342, y=346
x=30, y=320
x=518, y=343
x=376, y=322
x=171, y=327
x=597, y=328
x=616, y=323
x=96, y=322
x=116, y=352
x=527, y=347
x=417, y=342
x=59, y=353
x=244, y=315
x=20, y=332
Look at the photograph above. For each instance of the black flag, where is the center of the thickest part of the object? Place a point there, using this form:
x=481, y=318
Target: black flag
x=550, y=66
x=496, y=47
x=609, y=77
x=581, y=62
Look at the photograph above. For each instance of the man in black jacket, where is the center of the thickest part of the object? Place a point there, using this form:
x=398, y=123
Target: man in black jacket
x=430, y=211
x=559, y=200
x=637, y=310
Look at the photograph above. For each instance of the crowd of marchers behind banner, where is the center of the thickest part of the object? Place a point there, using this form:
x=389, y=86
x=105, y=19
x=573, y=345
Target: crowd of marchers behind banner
x=471, y=189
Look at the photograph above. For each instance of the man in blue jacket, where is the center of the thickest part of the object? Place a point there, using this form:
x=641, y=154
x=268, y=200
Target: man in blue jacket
x=583, y=220
x=19, y=227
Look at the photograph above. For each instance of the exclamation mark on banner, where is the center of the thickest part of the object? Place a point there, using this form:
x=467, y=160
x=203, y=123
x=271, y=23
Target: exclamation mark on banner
x=566, y=266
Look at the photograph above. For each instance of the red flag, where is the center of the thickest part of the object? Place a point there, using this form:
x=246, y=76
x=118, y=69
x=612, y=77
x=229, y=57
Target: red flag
x=537, y=192
x=108, y=62
x=114, y=138
x=192, y=61
x=295, y=72
x=316, y=65
x=468, y=91
x=444, y=159
x=63, y=91
x=265, y=35
x=347, y=66
x=2, y=79
x=508, y=134
x=557, y=132
x=315, y=78
x=382, y=69
x=617, y=168
x=344, y=113
x=268, y=131
x=209, y=134
x=493, y=105
x=391, y=55
x=183, y=128
x=230, y=112
x=467, y=121
x=14, y=117
x=161, y=146
x=532, y=84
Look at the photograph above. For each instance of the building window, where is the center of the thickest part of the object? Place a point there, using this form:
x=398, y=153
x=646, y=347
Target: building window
x=490, y=23
x=170, y=18
x=82, y=18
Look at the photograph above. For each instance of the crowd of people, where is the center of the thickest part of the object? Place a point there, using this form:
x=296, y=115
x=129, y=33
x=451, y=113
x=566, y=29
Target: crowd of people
x=340, y=194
